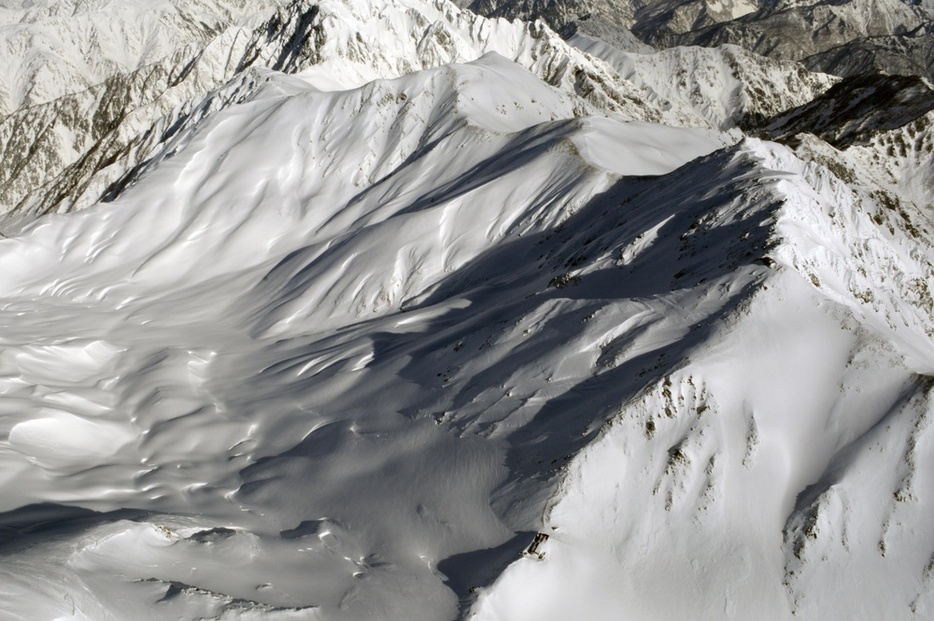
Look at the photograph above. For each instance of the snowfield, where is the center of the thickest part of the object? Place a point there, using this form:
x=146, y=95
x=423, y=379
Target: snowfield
x=349, y=336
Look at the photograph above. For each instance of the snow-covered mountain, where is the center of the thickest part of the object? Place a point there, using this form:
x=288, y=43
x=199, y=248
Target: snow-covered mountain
x=888, y=36
x=87, y=145
x=53, y=48
x=387, y=310
x=846, y=38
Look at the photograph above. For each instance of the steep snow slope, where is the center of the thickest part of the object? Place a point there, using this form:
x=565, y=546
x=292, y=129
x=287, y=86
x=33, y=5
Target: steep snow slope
x=901, y=159
x=224, y=351
x=875, y=132
x=777, y=463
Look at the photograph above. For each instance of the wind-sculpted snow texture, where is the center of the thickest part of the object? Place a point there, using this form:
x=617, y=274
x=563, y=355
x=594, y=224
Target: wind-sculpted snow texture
x=379, y=294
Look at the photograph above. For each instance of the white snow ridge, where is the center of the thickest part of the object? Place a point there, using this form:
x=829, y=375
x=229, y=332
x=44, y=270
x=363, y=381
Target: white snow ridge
x=384, y=310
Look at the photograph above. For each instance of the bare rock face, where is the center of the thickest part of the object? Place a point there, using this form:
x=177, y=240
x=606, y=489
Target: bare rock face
x=856, y=109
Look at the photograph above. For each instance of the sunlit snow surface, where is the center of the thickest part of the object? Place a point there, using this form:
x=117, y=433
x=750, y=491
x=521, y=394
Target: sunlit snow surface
x=341, y=354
